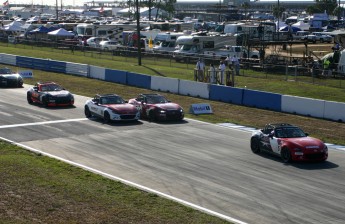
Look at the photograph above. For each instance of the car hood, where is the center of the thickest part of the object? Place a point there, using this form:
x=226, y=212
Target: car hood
x=168, y=106
x=307, y=142
x=11, y=76
x=123, y=108
x=59, y=93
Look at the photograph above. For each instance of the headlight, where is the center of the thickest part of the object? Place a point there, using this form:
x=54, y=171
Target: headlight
x=162, y=111
x=325, y=148
x=181, y=110
x=297, y=149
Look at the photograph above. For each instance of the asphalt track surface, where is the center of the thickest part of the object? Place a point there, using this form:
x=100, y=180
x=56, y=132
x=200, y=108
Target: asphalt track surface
x=205, y=164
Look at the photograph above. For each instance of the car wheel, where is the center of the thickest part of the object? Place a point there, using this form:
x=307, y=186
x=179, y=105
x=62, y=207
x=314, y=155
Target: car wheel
x=255, y=145
x=152, y=115
x=106, y=117
x=45, y=101
x=285, y=155
x=28, y=97
x=87, y=112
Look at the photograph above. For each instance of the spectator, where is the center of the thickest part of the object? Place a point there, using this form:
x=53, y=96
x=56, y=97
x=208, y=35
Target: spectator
x=228, y=61
x=236, y=65
x=326, y=70
x=213, y=78
x=222, y=70
x=200, y=67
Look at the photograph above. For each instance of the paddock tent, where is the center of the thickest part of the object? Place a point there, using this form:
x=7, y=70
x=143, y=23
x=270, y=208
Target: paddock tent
x=61, y=33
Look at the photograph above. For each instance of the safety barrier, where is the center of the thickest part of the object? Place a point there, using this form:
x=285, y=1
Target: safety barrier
x=164, y=84
x=264, y=100
x=116, y=76
x=226, y=94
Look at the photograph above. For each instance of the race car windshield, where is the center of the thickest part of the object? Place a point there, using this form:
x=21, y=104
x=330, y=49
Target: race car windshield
x=292, y=132
x=156, y=99
x=51, y=87
x=112, y=100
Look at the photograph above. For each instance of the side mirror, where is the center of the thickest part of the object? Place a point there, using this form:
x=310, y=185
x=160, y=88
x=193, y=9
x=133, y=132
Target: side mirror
x=271, y=135
x=35, y=88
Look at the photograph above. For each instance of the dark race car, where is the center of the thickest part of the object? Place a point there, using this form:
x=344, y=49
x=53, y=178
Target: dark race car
x=49, y=94
x=111, y=107
x=9, y=78
x=288, y=141
x=157, y=107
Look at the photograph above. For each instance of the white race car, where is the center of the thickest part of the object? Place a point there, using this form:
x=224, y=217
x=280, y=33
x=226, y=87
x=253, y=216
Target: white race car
x=111, y=107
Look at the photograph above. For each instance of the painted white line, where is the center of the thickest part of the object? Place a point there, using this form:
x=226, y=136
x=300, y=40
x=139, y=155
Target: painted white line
x=138, y=186
x=42, y=123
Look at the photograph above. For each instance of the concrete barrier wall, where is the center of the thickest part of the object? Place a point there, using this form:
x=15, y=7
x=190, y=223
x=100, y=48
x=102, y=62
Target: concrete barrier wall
x=116, y=76
x=334, y=111
x=263, y=100
x=8, y=59
x=226, y=94
x=164, y=84
x=139, y=80
x=303, y=106
x=56, y=66
x=77, y=69
x=191, y=88
x=97, y=72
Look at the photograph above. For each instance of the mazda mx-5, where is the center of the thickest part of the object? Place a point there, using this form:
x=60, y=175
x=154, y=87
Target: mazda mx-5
x=111, y=107
x=290, y=142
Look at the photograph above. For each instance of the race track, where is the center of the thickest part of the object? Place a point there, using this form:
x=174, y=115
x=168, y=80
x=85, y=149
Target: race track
x=204, y=164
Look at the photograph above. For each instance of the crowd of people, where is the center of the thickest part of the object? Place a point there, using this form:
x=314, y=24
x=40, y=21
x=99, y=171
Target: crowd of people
x=217, y=75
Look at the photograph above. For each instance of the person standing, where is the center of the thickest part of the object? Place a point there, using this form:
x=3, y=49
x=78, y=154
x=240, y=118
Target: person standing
x=212, y=74
x=228, y=61
x=200, y=67
x=222, y=70
x=236, y=64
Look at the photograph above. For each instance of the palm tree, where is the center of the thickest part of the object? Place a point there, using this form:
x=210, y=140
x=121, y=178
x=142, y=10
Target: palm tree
x=245, y=6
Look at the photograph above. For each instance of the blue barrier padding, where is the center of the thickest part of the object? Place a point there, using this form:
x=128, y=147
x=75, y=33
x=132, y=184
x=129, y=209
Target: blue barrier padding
x=24, y=62
x=56, y=66
x=226, y=94
x=116, y=76
x=263, y=100
x=139, y=80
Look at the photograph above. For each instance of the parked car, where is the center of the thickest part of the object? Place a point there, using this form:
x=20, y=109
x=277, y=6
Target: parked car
x=111, y=107
x=322, y=37
x=95, y=41
x=157, y=107
x=288, y=141
x=49, y=94
x=9, y=78
x=108, y=45
x=309, y=38
x=300, y=34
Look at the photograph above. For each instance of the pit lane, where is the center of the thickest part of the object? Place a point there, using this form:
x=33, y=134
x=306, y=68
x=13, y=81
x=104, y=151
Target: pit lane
x=207, y=165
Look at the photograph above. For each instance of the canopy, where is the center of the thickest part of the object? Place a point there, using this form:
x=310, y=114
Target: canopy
x=301, y=25
x=43, y=29
x=292, y=29
x=61, y=32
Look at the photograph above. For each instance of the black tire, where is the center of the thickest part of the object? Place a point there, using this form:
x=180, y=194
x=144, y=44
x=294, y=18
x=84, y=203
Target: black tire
x=285, y=155
x=106, y=117
x=152, y=116
x=87, y=112
x=255, y=145
x=28, y=97
x=45, y=101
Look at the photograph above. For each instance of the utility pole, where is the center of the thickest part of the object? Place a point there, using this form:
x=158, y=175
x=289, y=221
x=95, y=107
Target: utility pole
x=57, y=10
x=138, y=32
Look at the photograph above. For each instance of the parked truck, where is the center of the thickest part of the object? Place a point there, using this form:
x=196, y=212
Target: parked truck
x=231, y=51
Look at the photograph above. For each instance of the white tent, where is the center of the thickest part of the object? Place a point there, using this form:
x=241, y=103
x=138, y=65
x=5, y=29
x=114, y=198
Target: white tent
x=301, y=25
x=61, y=33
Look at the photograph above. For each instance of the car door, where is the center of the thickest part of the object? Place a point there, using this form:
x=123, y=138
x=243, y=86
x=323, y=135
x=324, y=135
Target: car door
x=274, y=143
x=95, y=107
x=35, y=93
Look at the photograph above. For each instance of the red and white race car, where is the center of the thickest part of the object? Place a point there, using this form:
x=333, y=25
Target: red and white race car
x=111, y=107
x=157, y=107
x=288, y=141
x=49, y=94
